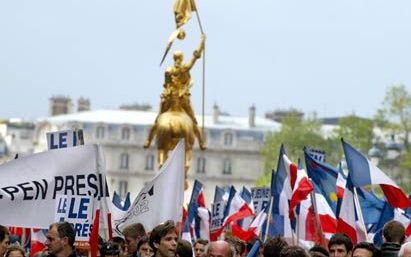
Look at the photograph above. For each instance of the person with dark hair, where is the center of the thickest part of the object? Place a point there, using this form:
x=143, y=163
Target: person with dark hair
x=200, y=247
x=318, y=249
x=220, y=249
x=163, y=239
x=143, y=248
x=109, y=249
x=238, y=245
x=273, y=246
x=293, y=251
x=184, y=249
x=365, y=249
x=132, y=234
x=4, y=240
x=317, y=254
x=121, y=245
x=394, y=236
x=60, y=240
x=340, y=245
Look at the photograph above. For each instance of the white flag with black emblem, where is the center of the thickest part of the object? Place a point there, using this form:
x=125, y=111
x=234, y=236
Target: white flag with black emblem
x=162, y=198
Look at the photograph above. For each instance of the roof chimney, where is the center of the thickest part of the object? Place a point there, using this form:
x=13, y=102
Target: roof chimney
x=60, y=105
x=251, y=116
x=216, y=113
x=83, y=104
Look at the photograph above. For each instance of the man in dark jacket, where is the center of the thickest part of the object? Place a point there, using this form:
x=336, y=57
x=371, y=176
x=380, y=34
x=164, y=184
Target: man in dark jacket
x=394, y=236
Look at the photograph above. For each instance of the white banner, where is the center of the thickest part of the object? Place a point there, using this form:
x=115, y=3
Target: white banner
x=43, y=188
x=162, y=198
x=217, y=215
x=260, y=197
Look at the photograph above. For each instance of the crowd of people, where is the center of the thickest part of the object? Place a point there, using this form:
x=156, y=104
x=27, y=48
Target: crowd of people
x=164, y=241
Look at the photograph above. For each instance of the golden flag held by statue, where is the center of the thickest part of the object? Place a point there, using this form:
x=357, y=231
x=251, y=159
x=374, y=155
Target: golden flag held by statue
x=183, y=10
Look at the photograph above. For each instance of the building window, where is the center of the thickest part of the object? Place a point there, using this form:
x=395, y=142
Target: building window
x=100, y=132
x=75, y=126
x=201, y=162
x=125, y=134
x=149, y=162
x=123, y=188
x=227, y=166
x=124, y=161
x=228, y=138
x=3, y=148
x=25, y=135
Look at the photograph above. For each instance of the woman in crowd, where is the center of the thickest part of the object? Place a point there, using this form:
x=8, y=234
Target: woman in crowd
x=15, y=251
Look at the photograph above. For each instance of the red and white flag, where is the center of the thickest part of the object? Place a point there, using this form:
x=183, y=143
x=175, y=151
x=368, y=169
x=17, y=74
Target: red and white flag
x=300, y=184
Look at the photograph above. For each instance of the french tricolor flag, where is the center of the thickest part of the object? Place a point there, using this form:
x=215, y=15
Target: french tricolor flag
x=300, y=184
x=327, y=219
x=237, y=208
x=255, y=228
x=246, y=195
x=281, y=194
x=198, y=217
x=38, y=240
x=316, y=219
x=363, y=172
x=346, y=221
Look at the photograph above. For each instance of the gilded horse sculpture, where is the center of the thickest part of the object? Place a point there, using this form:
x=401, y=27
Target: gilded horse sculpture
x=176, y=118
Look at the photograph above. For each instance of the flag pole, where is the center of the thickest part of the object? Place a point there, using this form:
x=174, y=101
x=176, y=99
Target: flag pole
x=203, y=94
x=359, y=212
x=267, y=227
x=198, y=18
x=297, y=227
x=204, y=57
x=318, y=227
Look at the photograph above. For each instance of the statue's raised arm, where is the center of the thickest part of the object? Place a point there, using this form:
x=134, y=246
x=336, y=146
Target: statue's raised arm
x=197, y=52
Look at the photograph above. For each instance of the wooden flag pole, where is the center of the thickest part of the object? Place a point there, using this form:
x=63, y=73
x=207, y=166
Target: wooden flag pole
x=359, y=212
x=318, y=226
x=270, y=209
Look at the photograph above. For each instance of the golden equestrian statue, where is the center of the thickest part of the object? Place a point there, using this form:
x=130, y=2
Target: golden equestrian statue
x=176, y=117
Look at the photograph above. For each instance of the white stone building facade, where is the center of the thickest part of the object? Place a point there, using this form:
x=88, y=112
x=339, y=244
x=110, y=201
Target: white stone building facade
x=233, y=154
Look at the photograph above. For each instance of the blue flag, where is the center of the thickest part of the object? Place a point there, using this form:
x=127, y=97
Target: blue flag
x=325, y=176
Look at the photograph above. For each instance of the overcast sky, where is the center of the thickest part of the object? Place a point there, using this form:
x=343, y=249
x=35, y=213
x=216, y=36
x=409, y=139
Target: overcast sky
x=332, y=57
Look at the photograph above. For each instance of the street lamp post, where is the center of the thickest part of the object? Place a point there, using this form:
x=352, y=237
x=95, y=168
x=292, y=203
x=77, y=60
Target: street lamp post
x=392, y=154
x=387, y=157
x=375, y=155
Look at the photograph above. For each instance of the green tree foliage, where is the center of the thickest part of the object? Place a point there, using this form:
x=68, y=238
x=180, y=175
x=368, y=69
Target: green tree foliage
x=395, y=113
x=406, y=171
x=357, y=131
x=294, y=134
x=394, y=117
